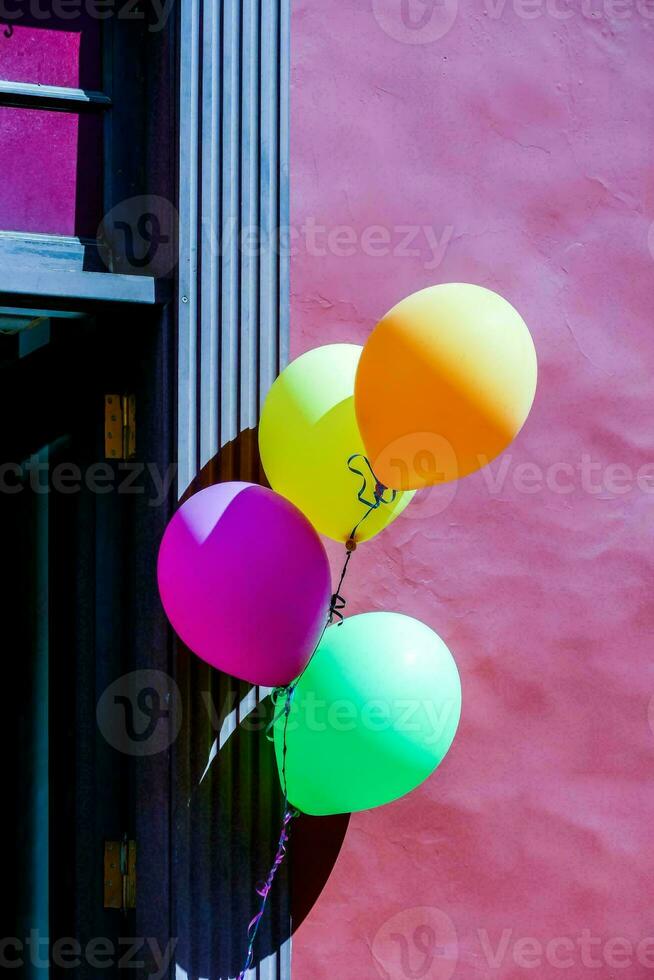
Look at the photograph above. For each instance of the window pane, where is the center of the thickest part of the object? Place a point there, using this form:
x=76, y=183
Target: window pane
x=51, y=166
x=50, y=51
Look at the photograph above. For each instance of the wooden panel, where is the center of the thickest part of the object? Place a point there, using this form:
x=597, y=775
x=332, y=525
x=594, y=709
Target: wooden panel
x=73, y=290
x=233, y=290
x=20, y=250
x=233, y=339
x=52, y=97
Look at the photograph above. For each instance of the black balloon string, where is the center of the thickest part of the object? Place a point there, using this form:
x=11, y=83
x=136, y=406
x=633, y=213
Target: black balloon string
x=378, y=493
x=336, y=605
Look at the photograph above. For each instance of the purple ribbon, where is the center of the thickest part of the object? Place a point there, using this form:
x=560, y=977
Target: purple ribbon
x=264, y=890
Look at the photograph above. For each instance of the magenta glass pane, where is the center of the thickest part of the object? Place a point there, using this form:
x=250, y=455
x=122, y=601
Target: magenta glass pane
x=51, y=51
x=51, y=170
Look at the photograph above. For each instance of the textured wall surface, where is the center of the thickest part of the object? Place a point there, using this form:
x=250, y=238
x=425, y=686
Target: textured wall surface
x=511, y=141
x=42, y=154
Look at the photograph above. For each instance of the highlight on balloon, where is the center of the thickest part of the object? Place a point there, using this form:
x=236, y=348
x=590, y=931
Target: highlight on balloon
x=452, y=364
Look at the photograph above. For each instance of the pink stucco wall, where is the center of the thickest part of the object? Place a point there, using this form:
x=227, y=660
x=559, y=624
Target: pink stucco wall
x=513, y=142
x=43, y=154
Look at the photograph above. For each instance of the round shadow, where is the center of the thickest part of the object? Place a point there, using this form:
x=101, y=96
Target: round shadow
x=227, y=834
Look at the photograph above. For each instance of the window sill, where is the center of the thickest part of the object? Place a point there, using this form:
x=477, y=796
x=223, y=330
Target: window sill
x=35, y=268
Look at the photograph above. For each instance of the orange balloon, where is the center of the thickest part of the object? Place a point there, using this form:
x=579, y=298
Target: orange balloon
x=444, y=384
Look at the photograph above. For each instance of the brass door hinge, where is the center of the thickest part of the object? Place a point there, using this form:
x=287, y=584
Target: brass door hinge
x=120, y=874
x=119, y=426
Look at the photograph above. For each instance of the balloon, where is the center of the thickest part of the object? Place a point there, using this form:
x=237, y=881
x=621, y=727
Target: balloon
x=307, y=433
x=372, y=716
x=245, y=582
x=445, y=383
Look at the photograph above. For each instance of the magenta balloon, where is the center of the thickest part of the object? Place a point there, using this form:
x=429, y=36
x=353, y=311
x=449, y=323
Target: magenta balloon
x=245, y=582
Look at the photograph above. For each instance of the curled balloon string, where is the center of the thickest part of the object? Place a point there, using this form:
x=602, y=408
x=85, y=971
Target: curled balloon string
x=379, y=490
x=378, y=493
x=337, y=603
x=276, y=694
x=289, y=814
x=264, y=889
x=287, y=712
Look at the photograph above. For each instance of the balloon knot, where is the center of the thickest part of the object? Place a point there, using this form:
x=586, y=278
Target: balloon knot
x=351, y=544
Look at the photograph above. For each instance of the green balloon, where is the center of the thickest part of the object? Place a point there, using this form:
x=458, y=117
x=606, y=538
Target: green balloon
x=372, y=716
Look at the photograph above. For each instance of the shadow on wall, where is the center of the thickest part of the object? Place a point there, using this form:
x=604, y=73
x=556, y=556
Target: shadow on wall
x=237, y=460
x=229, y=805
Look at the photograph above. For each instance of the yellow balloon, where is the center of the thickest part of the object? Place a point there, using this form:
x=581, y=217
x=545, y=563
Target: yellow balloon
x=444, y=384
x=307, y=434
